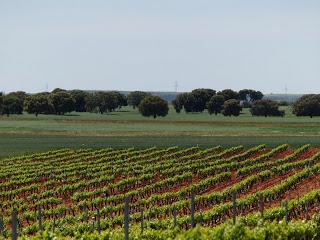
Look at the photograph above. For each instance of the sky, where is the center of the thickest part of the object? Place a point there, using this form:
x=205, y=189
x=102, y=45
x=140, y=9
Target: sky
x=269, y=45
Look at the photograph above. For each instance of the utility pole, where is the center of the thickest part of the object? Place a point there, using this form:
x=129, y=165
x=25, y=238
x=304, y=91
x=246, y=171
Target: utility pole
x=176, y=86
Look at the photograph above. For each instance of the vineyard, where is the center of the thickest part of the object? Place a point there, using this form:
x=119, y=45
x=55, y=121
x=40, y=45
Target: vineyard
x=161, y=193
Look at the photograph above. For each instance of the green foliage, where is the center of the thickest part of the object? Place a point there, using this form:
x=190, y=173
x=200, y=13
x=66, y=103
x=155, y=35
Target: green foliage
x=201, y=97
x=121, y=99
x=101, y=179
x=307, y=105
x=229, y=94
x=1, y=102
x=153, y=106
x=231, y=107
x=249, y=95
x=38, y=103
x=62, y=102
x=11, y=104
x=260, y=231
x=91, y=103
x=56, y=90
x=244, y=229
x=215, y=105
x=135, y=98
x=106, y=101
x=266, y=108
x=79, y=97
x=190, y=103
x=179, y=102
x=195, y=101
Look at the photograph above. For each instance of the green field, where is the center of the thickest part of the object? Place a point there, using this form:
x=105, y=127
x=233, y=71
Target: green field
x=126, y=128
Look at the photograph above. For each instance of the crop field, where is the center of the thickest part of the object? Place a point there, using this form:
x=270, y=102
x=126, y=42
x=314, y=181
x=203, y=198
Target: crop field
x=26, y=133
x=152, y=191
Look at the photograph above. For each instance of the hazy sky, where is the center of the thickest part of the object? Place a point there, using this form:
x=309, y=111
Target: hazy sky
x=150, y=44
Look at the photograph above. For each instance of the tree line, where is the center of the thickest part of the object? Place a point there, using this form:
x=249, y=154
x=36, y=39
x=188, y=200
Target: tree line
x=61, y=101
x=227, y=102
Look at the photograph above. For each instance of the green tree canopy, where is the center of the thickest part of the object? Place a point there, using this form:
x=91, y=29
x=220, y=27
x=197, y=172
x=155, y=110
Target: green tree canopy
x=11, y=104
x=56, y=90
x=250, y=95
x=134, y=98
x=153, y=106
x=1, y=102
x=179, y=101
x=121, y=99
x=106, y=102
x=195, y=101
x=190, y=103
x=91, y=103
x=38, y=103
x=79, y=97
x=229, y=94
x=266, y=108
x=307, y=105
x=215, y=105
x=201, y=97
x=231, y=107
x=62, y=102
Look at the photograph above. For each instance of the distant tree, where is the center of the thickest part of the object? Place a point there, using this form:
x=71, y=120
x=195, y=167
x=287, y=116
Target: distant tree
x=134, y=98
x=56, y=90
x=19, y=97
x=1, y=102
x=255, y=95
x=11, y=104
x=38, y=103
x=106, y=102
x=231, y=107
x=19, y=94
x=215, y=105
x=307, y=105
x=190, y=103
x=79, y=97
x=121, y=99
x=249, y=95
x=153, y=106
x=229, y=94
x=201, y=96
x=195, y=101
x=91, y=103
x=62, y=102
x=266, y=108
x=179, y=102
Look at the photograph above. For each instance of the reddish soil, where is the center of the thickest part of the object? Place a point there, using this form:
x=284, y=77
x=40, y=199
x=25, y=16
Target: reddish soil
x=228, y=155
x=300, y=189
x=282, y=154
x=308, y=154
x=269, y=183
x=263, y=151
x=224, y=185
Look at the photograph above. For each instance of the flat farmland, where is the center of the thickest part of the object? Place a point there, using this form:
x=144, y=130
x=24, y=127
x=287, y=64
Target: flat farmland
x=127, y=128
